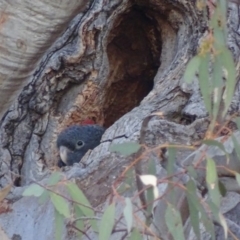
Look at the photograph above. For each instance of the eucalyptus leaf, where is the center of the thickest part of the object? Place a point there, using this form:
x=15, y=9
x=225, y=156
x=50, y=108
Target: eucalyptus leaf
x=107, y=223
x=211, y=142
x=44, y=197
x=223, y=223
x=205, y=86
x=128, y=214
x=237, y=121
x=78, y=196
x=126, y=148
x=192, y=201
x=84, y=205
x=151, y=167
x=229, y=66
x=236, y=146
x=33, y=190
x=150, y=201
x=222, y=188
x=79, y=223
x=192, y=171
x=60, y=204
x=174, y=222
x=171, y=160
x=54, y=178
x=212, y=182
x=135, y=235
x=217, y=81
x=59, y=223
x=191, y=69
x=237, y=176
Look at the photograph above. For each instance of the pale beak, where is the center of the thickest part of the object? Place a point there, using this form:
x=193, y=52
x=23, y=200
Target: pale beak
x=64, y=153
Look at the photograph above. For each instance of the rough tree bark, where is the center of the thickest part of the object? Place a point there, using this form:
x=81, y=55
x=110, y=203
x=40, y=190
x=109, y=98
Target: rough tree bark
x=116, y=63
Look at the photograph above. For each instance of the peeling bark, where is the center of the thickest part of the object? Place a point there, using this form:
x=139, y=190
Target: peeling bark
x=26, y=32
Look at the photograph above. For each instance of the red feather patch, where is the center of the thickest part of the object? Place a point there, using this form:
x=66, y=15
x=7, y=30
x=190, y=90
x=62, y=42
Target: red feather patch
x=88, y=122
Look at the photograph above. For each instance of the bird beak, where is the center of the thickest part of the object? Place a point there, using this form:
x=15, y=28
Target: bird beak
x=64, y=153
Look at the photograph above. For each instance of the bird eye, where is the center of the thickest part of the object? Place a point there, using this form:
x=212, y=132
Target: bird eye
x=80, y=144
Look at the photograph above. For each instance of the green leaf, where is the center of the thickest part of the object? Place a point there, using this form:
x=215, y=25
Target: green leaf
x=54, y=178
x=205, y=87
x=44, y=197
x=223, y=222
x=192, y=172
x=135, y=235
x=191, y=69
x=59, y=225
x=218, y=144
x=229, y=67
x=170, y=171
x=237, y=176
x=78, y=196
x=150, y=202
x=223, y=13
x=174, y=222
x=219, y=37
x=222, y=188
x=218, y=22
x=214, y=20
x=171, y=160
x=60, y=204
x=237, y=121
x=123, y=188
x=212, y=182
x=107, y=223
x=217, y=81
x=151, y=167
x=128, y=214
x=195, y=203
x=215, y=143
x=192, y=201
x=211, y=176
x=79, y=223
x=78, y=212
x=236, y=146
x=130, y=177
x=126, y=148
x=215, y=210
x=208, y=224
x=33, y=190
x=128, y=183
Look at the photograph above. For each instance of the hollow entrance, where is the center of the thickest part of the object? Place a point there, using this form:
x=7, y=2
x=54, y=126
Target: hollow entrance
x=134, y=50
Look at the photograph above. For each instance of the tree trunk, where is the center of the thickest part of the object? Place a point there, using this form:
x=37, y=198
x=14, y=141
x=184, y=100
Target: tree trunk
x=116, y=63
x=26, y=33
